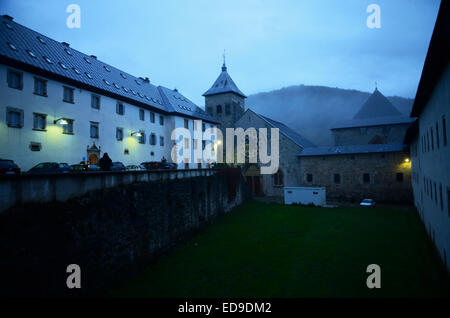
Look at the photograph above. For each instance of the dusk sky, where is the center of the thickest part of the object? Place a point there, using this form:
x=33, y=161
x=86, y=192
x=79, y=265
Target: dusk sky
x=269, y=44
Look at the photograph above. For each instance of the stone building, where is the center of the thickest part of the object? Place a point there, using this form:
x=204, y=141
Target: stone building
x=59, y=104
x=225, y=101
x=429, y=138
x=290, y=143
x=377, y=122
x=351, y=173
x=368, y=159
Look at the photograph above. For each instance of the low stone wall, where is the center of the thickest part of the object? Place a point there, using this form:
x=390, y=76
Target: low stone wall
x=26, y=188
x=111, y=233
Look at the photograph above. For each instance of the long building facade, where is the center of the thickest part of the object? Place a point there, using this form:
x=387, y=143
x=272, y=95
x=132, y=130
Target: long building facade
x=58, y=104
x=429, y=138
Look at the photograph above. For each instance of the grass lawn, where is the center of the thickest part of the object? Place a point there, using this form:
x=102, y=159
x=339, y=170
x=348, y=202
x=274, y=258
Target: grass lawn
x=272, y=250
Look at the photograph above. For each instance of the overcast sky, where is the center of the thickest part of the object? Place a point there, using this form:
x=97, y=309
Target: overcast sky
x=269, y=44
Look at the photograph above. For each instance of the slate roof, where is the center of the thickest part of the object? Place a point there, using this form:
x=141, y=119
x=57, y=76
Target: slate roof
x=224, y=84
x=376, y=111
x=353, y=149
x=23, y=47
x=378, y=121
x=377, y=105
x=288, y=132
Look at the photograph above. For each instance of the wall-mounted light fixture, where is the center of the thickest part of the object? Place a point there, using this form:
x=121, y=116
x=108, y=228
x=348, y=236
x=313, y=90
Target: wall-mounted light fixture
x=136, y=133
x=406, y=159
x=60, y=121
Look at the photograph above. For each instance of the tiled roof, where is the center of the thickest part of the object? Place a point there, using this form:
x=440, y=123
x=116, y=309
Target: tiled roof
x=353, y=149
x=378, y=121
x=25, y=47
x=224, y=84
x=288, y=132
x=376, y=111
x=377, y=105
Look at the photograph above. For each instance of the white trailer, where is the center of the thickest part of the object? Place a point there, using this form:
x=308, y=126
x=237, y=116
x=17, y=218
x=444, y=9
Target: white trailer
x=305, y=195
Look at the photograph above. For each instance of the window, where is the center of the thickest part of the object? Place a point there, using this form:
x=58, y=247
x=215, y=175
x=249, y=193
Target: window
x=444, y=131
x=399, y=177
x=152, y=117
x=337, y=178
x=209, y=110
x=219, y=109
x=40, y=86
x=95, y=101
x=39, y=121
x=227, y=109
x=141, y=138
x=153, y=139
x=68, y=128
x=440, y=197
x=195, y=144
x=203, y=144
x=161, y=120
x=94, y=130
x=141, y=114
x=435, y=193
x=366, y=178
x=161, y=141
x=14, y=79
x=186, y=143
x=309, y=178
x=120, y=109
x=68, y=94
x=186, y=123
x=278, y=178
x=437, y=135
x=199, y=165
x=14, y=117
x=428, y=141
x=186, y=165
x=203, y=127
x=119, y=134
x=432, y=139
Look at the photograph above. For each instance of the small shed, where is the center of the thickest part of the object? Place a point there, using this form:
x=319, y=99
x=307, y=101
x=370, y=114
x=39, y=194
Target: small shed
x=305, y=195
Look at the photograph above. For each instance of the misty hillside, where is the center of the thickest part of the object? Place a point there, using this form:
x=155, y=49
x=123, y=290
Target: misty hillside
x=312, y=110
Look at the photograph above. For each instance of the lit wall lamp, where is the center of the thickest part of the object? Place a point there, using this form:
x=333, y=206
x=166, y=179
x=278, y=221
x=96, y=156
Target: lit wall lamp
x=136, y=133
x=61, y=121
x=406, y=159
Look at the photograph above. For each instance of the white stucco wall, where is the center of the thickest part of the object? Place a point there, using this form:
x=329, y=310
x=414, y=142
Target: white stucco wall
x=434, y=166
x=56, y=146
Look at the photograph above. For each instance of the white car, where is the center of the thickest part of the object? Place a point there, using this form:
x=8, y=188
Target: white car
x=367, y=202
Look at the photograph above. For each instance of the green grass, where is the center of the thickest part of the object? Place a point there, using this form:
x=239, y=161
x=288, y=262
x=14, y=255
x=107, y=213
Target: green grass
x=272, y=250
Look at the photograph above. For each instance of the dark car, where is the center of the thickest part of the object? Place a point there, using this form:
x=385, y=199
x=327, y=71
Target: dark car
x=118, y=166
x=152, y=165
x=8, y=167
x=90, y=167
x=77, y=168
x=50, y=167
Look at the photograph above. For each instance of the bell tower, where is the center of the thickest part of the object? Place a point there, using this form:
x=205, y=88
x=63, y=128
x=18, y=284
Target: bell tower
x=224, y=101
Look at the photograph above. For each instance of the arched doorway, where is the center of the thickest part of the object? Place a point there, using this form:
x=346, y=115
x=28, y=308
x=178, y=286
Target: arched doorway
x=93, y=154
x=253, y=177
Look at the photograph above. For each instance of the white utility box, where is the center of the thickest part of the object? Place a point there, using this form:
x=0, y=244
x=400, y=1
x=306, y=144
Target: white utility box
x=305, y=195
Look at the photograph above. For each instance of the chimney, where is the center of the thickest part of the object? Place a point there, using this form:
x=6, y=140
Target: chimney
x=65, y=44
x=7, y=17
x=93, y=56
x=146, y=80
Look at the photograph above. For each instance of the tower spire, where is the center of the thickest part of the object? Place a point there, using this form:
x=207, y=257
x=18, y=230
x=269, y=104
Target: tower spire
x=224, y=66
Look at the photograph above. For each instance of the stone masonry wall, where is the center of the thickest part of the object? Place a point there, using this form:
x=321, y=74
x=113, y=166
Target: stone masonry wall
x=111, y=234
x=382, y=167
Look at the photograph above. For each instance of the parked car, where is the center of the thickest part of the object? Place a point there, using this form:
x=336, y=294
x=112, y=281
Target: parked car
x=50, y=167
x=135, y=168
x=171, y=165
x=92, y=167
x=8, y=167
x=118, y=166
x=152, y=165
x=77, y=168
x=367, y=202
